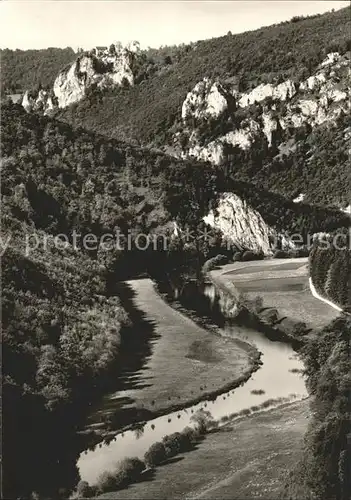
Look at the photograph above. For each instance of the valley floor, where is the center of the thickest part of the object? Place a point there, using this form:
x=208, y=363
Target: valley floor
x=185, y=362
x=282, y=284
x=246, y=459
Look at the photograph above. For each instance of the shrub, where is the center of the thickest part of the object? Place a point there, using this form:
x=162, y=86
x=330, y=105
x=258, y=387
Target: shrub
x=190, y=434
x=106, y=482
x=128, y=471
x=250, y=255
x=280, y=254
x=270, y=316
x=155, y=454
x=172, y=444
x=203, y=420
x=300, y=329
x=84, y=490
x=257, y=391
x=299, y=252
x=212, y=263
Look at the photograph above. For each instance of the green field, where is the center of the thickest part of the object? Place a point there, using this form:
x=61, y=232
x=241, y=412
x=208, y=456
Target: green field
x=244, y=460
x=282, y=284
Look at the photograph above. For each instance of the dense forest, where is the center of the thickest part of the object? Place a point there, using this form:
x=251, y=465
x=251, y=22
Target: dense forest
x=62, y=334
x=324, y=471
x=330, y=270
x=22, y=70
x=93, y=184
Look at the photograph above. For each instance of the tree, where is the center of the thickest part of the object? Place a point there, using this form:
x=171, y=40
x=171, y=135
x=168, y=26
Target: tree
x=84, y=490
x=203, y=420
x=155, y=455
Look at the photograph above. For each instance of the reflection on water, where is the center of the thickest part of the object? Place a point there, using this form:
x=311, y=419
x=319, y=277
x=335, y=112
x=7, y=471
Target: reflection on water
x=275, y=377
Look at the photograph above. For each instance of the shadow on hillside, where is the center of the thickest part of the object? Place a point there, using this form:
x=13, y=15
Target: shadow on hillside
x=117, y=410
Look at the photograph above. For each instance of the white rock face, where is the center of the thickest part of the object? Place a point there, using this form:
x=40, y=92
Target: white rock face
x=331, y=58
x=281, y=92
x=205, y=100
x=319, y=99
x=240, y=224
x=108, y=67
x=314, y=81
x=299, y=198
x=42, y=102
x=214, y=151
x=269, y=126
x=347, y=210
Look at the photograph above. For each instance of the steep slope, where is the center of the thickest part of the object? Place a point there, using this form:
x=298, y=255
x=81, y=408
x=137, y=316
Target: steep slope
x=98, y=69
x=287, y=50
x=276, y=134
x=94, y=184
x=25, y=69
x=271, y=111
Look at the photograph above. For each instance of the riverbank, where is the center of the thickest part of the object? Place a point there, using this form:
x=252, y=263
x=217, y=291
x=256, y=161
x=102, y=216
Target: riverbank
x=277, y=380
x=185, y=364
x=248, y=458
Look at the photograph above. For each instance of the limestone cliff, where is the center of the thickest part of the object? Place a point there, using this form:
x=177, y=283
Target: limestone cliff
x=243, y=226
x=321, y=98
x=103, y=68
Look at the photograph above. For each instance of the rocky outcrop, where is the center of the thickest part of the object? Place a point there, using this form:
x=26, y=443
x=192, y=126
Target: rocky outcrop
x=207, y=99
x=44, y=101
x=281, y=92
x=102, y=68
x=319, y=99
x=299, y=199
x=213, y=151
x=243, y=226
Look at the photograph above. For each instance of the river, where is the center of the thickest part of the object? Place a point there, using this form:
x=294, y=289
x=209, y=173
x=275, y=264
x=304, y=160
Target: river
x=279, y=377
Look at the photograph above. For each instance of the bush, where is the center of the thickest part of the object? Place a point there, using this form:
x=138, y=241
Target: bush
x=250, y=255
x=106, y=482
x=128, y=471
x=190, y=434
x=270, y=316
x=84, y=490
x=300, y=329
x=172, y=444
x=299, y=252
x=281, y=254
x=203, y=420
x=155, y=454
x=218, y=260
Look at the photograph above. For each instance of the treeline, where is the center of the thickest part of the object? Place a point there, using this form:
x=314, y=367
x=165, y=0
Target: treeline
x=22, y=70
x=330, y=270
x=324, y=471
x=146, y=112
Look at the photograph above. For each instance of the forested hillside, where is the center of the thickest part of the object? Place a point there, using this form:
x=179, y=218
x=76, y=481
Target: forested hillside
x=324, y=471
x=145, y=112
x=92, y=183
x=25, y=69
x=61, y=336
